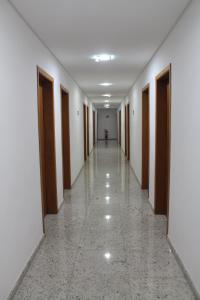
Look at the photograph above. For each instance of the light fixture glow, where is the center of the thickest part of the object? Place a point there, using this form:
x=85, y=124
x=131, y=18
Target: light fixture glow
x=107, y=185
x=107, y=175
x=107, y=199
x=104, y=57
x=105, y=84
x=108, y=217
x=107, y=255
x=106, y=105
x=106, y=95
x=106, y=101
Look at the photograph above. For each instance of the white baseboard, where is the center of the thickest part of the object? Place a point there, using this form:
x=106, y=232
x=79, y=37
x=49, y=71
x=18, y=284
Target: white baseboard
x=21, y=276
x=185, y=272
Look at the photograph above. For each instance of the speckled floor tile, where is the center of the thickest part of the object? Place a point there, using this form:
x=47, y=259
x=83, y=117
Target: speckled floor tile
x=161, y=288
x=105, y=243
x=101, y=273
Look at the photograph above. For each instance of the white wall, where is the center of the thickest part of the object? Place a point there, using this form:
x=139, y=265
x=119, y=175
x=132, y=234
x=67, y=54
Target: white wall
x=182, y=49
x=20, y=213
x=109, y=123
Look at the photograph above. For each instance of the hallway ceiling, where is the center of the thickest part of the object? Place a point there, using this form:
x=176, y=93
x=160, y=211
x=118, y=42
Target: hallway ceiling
x=75, y=30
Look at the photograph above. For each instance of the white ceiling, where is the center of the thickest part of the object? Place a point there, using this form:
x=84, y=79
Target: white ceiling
x=74, y=30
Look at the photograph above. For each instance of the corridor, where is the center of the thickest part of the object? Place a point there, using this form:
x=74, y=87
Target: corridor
x=106, y=242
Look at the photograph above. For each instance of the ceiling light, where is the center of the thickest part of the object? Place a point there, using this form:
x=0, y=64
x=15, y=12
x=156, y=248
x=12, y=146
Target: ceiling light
x=105, y=84
x=107, y=217
x=106, y=101
x=107, y=185
x=107, y=175
x=107, y=95
x=107, y=105
x=103, y=57
x=107, y=255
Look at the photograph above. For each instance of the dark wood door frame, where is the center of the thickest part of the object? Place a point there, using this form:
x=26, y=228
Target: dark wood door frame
x=163, y=138
x=128, y=130
x=125, y=130
x=88, y=133
x=65, y=130
x=85, y=130
x=46, y=128
x=145, y=137
x=94, y=127
x=120, y=127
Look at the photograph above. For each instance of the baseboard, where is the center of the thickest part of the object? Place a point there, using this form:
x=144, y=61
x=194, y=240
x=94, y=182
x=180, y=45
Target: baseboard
x=77, y=176
x=19, y=280
x=81, y=169
x=135, y=174
x=185, y=272
x=150, y=204
x=179, y=261
x=61, y=204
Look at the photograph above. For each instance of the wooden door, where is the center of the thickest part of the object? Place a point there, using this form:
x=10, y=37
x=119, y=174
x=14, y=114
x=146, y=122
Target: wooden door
x=120, y=127
x=163, y=125
x=145, y=138
x=128, y=130
x=42, y=148
x=85, y=131
x=65, y=139
x=125, y=130
x=47, y=143
x=94, y=128
x=88, y=134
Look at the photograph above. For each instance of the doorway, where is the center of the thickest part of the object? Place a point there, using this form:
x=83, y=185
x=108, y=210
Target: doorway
x=46, y=127
x=65, y=129
x=128, y=130
x=94, y=128
x=119, y=127
x=88, y=135
x=162, y=154
x=125, y=129
x=145, y=138
x=85, y=130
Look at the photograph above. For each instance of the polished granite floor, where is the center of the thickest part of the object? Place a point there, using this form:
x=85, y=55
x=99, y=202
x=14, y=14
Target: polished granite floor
x=105, y=243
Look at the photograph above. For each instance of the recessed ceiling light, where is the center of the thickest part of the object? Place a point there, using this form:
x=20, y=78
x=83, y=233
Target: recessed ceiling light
x=103, y=57
x=107, y=255
x=107, y=95
x=107, y=105
x=107, y=217
x=106, y=101
x=105, y=84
